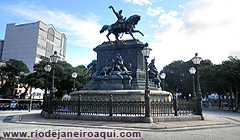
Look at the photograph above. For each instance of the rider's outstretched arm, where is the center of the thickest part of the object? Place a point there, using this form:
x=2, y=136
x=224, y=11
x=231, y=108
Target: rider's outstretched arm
x=113, y=10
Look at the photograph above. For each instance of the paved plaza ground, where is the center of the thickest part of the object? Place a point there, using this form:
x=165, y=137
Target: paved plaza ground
x=217, y=125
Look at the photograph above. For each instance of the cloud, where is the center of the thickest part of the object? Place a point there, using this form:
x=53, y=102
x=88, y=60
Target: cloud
x=139, y=2
x=208, y=27
x=154, y=12
x=79, y=31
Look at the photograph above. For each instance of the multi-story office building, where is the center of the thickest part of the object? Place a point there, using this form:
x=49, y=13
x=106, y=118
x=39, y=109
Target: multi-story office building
x=1, y=48
x=32, y=43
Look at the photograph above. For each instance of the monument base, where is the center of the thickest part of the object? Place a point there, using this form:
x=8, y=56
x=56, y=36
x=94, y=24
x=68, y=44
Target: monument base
x=119, y=95
x=113, y=82
x=113, y=74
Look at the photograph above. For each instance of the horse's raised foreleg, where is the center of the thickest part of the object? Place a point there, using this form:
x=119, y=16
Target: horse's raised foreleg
x=130, y=32
x=116, y=36
x=110, y=43
x=137, y=31
x=108, y=36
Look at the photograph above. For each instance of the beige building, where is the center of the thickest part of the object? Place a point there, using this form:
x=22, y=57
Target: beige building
x=1, y=48
x=32, y=43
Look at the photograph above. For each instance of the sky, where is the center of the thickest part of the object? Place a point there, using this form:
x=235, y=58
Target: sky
x=174, y=29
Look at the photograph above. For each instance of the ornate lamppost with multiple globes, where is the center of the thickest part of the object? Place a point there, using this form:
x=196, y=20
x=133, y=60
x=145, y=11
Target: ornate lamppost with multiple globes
x=163, y=76
x=74, y=76
x=198, y=110
x=54, y=58
x=146, y=51
x=192, y=71
x=47, y=68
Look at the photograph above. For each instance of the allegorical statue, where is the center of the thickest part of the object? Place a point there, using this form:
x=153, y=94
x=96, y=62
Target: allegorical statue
x=109, y=68
x=153, y=73
x=122, y=25
x=116, y=67
x=120, y=65
x=91, y=68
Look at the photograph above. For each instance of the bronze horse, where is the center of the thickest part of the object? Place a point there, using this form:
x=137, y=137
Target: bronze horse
x=126, y=27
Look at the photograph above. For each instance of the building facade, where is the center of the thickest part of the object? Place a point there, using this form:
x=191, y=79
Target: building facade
x=1, y=48
x=32, y=43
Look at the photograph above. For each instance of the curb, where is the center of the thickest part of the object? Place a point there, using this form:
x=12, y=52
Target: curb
x=135, y=119
x=16, y=118
x=150, y=128
x=159, y=126
x=163, y=125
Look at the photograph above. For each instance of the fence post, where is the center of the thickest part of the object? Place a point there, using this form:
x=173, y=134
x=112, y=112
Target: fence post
x=50, y=104
x=44, y=103
x=79, y=105
x=175, y=104
x=110, y=105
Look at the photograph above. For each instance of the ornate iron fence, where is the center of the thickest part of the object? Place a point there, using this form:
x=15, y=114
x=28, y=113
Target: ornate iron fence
x=185, y=106
x=162, y=108
x=112, y=107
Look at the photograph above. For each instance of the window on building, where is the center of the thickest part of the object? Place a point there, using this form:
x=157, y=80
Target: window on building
x=51, y=34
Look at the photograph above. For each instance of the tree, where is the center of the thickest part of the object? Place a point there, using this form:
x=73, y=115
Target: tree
x=37, y=79
x=13, y=71
x=223, y=79
x=63, y=77
x=179, y=78
x=230, y=70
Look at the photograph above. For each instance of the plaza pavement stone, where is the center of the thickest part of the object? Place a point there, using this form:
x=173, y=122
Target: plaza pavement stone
x=36, y=118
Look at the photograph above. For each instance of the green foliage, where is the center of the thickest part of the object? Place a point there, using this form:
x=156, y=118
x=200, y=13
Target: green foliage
x=222, y=78
x=63, y=80
x=178, y=77
x=12, y=73
x=15, y=68
x=37, y=79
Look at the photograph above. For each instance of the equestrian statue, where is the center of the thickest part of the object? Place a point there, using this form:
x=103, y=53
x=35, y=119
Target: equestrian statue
x=122, y=25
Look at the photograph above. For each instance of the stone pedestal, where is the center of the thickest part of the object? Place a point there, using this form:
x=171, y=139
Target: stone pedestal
x=131, y=53
x=112, y=83
x=120, y=95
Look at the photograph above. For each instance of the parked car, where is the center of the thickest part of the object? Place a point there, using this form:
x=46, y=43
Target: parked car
x=205, y=104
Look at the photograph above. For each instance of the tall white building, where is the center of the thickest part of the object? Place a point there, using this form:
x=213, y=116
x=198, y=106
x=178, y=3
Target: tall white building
x=32, y=43
x=1, y=48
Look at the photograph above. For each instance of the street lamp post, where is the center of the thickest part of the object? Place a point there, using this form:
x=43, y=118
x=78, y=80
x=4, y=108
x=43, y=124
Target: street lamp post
x=47, y=68
x=163, y=76
x=54, y=59
x=198, y=110
x=74, y=76
x=192, y=71
x=30, y=106
x=146, y=51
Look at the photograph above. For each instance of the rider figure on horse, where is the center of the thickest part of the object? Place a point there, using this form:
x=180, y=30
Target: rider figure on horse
x=122, y=25
x=120, y=20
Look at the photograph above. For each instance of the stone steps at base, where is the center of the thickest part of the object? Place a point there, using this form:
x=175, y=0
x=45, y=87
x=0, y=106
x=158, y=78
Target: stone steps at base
x=140, y=84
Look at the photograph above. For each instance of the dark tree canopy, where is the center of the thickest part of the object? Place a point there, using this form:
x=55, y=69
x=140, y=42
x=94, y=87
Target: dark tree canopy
x=178, y=77
x=12, y=73
x=222, y=79
x=63, y=77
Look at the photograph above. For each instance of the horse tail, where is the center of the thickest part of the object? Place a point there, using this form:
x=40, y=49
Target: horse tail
x=104, y=28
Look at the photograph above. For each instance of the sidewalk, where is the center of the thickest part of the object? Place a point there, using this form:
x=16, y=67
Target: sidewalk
x=36, y=118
